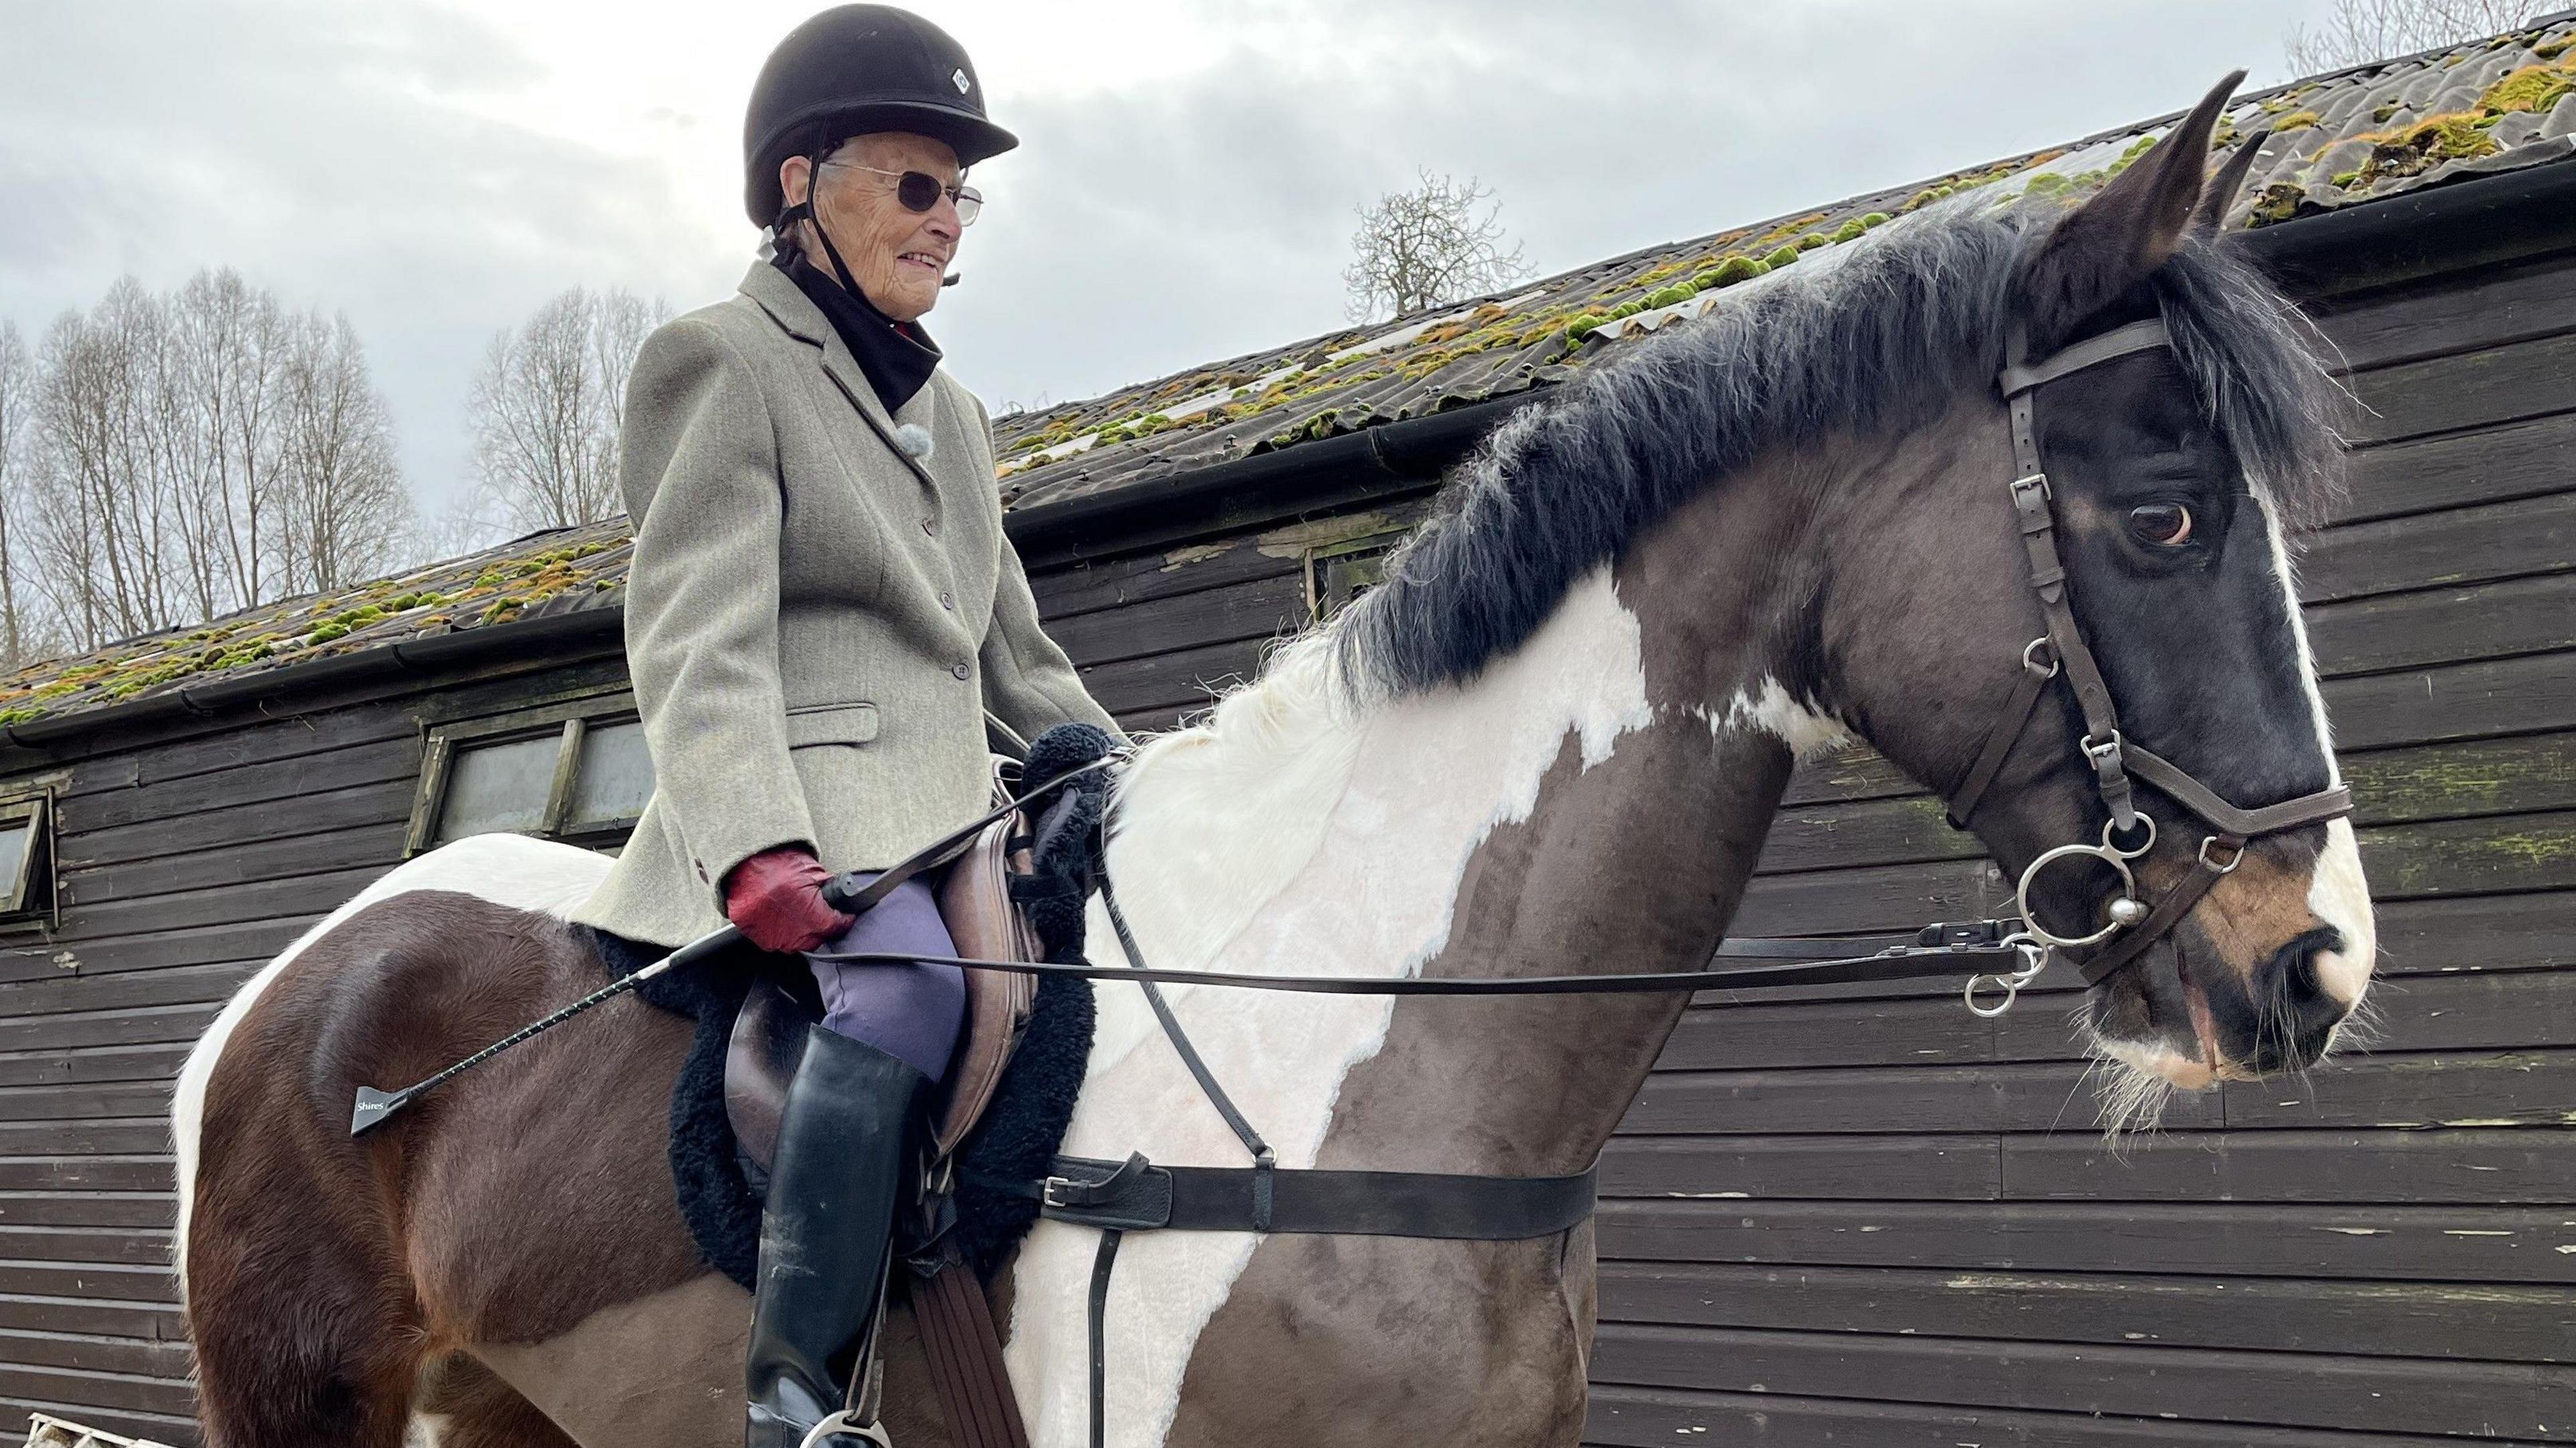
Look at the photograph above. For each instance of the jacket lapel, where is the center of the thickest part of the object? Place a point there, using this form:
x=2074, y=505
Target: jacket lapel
x=796, y=315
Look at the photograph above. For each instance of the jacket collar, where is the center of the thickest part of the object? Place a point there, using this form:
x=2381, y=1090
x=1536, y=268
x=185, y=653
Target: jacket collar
x=797, y=316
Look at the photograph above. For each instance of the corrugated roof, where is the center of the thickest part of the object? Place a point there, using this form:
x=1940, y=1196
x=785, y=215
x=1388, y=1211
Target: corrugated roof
x=2337, y=140
x=557, y=571
x=2348, y=137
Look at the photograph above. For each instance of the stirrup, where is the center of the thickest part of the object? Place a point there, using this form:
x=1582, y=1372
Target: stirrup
x=821, y=1434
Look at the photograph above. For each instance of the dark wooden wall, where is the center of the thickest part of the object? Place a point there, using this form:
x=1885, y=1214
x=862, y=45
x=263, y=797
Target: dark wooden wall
x=1852, y=1218
x=186, y=864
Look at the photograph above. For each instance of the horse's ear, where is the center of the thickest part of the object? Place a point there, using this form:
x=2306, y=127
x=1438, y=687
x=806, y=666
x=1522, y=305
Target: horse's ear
x=2222, y=189
x=2133, y=226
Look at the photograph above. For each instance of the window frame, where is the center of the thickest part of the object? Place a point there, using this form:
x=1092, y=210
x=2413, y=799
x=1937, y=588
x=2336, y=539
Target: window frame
x=569, y=720
x=21, y=901
x=1323, y=559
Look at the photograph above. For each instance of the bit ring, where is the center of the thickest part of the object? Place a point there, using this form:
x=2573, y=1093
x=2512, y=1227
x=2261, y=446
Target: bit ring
x=2030, y=918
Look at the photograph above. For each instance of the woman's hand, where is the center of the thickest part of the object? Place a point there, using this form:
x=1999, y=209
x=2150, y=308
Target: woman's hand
x=776, y=899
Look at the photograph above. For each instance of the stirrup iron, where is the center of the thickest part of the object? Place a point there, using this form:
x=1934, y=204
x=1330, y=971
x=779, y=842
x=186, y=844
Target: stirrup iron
x=821, y=1434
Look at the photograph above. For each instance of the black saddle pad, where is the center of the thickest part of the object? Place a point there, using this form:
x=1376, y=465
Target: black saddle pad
x=1017, y=1138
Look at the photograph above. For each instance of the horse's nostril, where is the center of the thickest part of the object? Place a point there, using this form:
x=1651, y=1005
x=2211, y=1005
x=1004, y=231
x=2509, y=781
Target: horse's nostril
x=2298, y=1013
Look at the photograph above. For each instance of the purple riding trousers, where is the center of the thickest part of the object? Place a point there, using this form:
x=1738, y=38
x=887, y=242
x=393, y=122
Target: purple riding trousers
x=911, y=1012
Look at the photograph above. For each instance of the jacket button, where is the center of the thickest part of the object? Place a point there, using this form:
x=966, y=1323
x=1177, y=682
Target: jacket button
x=930, y=526
x=963, y=672
x=948, y=600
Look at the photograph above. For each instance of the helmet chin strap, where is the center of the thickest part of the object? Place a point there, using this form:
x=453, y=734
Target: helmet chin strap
x=805, y=211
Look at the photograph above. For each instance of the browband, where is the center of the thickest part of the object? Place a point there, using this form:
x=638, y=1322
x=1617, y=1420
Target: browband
x=2017, y=379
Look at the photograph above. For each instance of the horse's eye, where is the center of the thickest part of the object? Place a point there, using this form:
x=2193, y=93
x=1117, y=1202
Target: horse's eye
x=2167, y=525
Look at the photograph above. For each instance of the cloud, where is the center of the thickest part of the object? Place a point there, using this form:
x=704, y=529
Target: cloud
x=437, y=168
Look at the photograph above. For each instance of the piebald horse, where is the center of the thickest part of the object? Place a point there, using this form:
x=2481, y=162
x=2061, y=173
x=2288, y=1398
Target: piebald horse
x=1552, y=741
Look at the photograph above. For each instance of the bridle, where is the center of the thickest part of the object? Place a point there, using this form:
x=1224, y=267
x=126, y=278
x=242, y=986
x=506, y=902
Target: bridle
x=2129, y=926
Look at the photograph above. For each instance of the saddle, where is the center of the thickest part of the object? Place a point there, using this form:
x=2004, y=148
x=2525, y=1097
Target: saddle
x=975, y=901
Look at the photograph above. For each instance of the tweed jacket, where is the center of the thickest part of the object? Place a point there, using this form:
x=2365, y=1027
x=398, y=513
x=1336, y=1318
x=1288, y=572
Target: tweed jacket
x=817, y=624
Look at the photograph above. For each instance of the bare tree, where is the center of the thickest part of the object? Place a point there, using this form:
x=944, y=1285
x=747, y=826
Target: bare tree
x=547, y=404
x=1438, y=243
x=105, y=525
x=2358, y=32
x=344, y=514
x=228, y=354
x=22, y=633
x=183, y=456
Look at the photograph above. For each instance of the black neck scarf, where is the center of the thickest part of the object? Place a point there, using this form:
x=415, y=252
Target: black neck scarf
x=896, y=357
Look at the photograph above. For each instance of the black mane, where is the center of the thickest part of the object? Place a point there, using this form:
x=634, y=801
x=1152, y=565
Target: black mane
x=1876, y=336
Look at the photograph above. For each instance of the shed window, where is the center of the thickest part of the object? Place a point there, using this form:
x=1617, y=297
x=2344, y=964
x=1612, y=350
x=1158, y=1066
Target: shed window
x=26, y=867
x=1337, y=573
x=564, y=773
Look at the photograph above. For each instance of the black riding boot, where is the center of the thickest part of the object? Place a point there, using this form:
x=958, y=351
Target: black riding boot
x=839, y=1175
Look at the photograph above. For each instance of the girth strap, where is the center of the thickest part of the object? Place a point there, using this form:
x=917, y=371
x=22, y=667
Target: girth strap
x=964, y=1353
x=1137, y=1195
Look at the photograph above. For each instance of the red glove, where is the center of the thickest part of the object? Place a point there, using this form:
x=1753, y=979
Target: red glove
x=776, y=899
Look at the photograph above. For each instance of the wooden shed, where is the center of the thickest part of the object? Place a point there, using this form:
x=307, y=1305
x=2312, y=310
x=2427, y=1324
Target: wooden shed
x=1848, y=1216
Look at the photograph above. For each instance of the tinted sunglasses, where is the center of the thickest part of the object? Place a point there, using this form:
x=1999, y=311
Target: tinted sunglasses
x=920, y=191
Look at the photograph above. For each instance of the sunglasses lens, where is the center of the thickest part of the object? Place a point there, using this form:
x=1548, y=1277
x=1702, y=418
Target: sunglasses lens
x=918, y=191
x=969, y=201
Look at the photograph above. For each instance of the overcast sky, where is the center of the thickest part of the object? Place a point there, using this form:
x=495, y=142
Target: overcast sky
x=436, y=168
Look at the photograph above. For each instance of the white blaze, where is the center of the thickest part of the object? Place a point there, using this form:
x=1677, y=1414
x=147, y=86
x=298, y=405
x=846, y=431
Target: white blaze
x=2337, y=893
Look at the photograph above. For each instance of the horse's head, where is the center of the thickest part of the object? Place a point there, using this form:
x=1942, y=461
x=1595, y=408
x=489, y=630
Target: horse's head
x=2171, y=537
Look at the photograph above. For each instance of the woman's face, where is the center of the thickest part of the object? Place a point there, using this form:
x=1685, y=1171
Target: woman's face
x=897, y=256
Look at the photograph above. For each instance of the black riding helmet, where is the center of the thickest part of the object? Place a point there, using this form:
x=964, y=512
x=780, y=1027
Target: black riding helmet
x=855, y=69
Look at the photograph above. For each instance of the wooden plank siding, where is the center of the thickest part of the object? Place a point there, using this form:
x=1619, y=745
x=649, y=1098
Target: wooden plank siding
x=1836, y=1216
x=1865, y=1217
x=183, y=866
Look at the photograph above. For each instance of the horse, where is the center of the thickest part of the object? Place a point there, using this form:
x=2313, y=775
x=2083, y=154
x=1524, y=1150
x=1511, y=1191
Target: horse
x=1550, y=741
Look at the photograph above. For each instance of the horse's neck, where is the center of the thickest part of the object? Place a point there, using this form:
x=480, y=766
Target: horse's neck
x=1559, y=816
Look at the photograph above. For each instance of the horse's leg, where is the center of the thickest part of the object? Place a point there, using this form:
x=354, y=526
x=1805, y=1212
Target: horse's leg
x=463, y=1405
x=306, y=1331
x=302, y=1339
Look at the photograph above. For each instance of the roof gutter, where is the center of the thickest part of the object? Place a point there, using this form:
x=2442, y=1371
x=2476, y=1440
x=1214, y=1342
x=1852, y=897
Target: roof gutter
x=439, y=652
x=2456, y=226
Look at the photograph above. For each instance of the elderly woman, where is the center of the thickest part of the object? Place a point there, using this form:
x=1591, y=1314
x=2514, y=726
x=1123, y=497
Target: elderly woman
x=822, y=616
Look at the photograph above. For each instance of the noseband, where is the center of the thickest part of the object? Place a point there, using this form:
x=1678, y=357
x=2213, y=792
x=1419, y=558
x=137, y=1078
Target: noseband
x=2129, y=926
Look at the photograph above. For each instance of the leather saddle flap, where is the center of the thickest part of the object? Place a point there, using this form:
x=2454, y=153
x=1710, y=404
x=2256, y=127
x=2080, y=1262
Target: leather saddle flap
x=975, y=901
